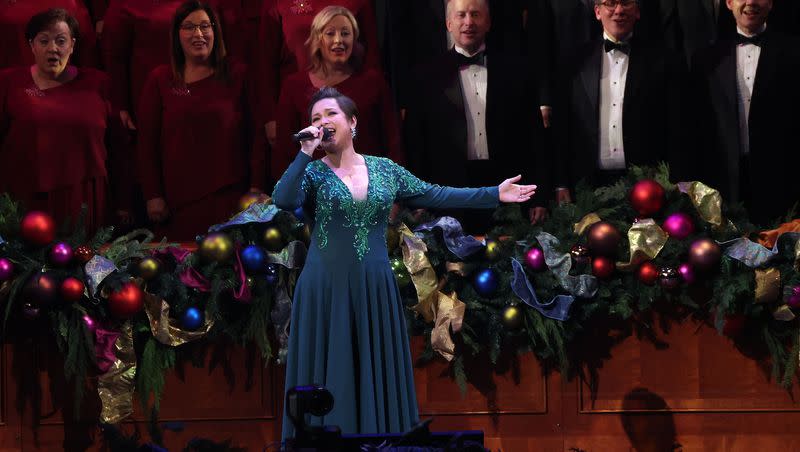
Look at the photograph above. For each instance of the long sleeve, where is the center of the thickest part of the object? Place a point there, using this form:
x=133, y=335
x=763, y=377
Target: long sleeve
x=418, y=193
x=254, y=137
x=290, y=191
x=369, y=33
x=270, y=43
x=120, y=158
x=116, y=49
x=148, y=146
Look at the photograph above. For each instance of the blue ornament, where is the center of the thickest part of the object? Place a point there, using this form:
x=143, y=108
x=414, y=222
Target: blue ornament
x=486, y=282
x=271, y=274
x=192, y=319
x=253, y=258
x=300, y=214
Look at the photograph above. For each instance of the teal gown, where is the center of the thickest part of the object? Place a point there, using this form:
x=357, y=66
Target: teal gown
x=348, y=328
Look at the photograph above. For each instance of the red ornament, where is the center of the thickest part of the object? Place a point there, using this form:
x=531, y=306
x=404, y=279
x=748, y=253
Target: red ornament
x=647, y=197
x=603, y=239
x=41, y=290
x=126, y=302
x=38, y=228
x=72, y=289
x=83, y=254
x=603, y=267
x=705, y=255
x=648, y=273
x=535, y=259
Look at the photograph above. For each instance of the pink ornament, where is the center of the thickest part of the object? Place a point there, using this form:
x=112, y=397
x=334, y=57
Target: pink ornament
x=90, y=323
x=61, y=254
x=535, y=259
x=793, y=301
x=687, y=273
x=6, y=269
x=796, y=290
x=679, y=225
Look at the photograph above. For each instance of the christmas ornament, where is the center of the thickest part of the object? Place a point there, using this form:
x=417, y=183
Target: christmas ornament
x=603, y=239
x=60, y=254
x=89, y=322
x=30, y=311
x=149, y=267
x=580, y=254
x=512, y=317
x=705, y=255
x=72, y=289
x=300, y=214
x=250, y=281
x=38, y=228
x=602, y=267
x=492, y=251
x=83, y=254
x=534, y=258
x=794, y=298
x=192, y=319
x=647, y=197
x=271, y=274
x=42, y=289
x=6, y=269
x=687, y=273
x=126, y=302
x=669, y=278
x=647, y=273
x=486, y=282
x=679, y=225
x=249, y=199
x=273, y=239
x=216, y=247
x=734, y=325
x=253, y=258
x=400, y=272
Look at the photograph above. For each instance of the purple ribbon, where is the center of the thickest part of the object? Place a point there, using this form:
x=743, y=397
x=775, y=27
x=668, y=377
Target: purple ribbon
x=97, y=269
x=104, y=348
x=454, y=238
x=243, y=293
x=755, y=254
x=556, y=309
x=189, y=277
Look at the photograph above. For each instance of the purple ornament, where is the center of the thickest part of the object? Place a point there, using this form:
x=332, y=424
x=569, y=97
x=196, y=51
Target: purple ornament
x=90, y=323
x=793, y=301
x=6, y=269
x=796, y=290
x=687, y=273
x=61, y=254
x=535, y=259
x=30, y=311
x=679, y=225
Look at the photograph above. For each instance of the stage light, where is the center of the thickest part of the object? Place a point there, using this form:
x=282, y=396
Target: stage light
x=317, y=401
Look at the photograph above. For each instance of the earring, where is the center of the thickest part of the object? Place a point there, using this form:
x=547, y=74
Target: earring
x=353, y=132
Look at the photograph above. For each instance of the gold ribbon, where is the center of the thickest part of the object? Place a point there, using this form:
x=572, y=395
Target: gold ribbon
x=166, y=329
x=783, y=313
x=647, y=239
x=707, y=201
x=449, y=314
x=422, y=274
x=581, y=226
x=768, y=285
x=116, y=386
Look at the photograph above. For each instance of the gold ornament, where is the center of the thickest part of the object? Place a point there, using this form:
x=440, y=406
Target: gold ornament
x=492, y=250
x=273, y=239
x=512, y=317
x=149, y=268
x=251, y=198
x=217, y=247
x=250, y=281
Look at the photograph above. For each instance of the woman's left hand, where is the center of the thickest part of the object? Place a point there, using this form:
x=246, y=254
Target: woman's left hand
x=512, y=192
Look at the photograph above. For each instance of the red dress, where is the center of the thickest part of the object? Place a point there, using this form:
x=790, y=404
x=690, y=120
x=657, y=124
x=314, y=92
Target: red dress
x=136, y=39
x=195, y=149
x=53, y=154
x=284, y=28
x=378, y=130
x=14, y=16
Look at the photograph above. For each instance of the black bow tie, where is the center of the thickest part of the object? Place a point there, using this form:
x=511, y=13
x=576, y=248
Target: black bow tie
x=479, y=59
x=755, y=40
x=611, y=45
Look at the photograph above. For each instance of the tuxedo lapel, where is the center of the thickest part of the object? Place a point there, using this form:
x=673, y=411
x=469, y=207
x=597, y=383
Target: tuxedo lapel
x=637, y=62
x=765, y=73
x=590, y=77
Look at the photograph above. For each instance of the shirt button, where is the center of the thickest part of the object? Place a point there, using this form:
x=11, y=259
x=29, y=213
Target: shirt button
x=613, y=105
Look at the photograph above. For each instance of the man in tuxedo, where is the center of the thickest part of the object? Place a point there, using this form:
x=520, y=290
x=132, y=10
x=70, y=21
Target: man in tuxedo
x=469, y=122
x=748, y=93
x=622, y=103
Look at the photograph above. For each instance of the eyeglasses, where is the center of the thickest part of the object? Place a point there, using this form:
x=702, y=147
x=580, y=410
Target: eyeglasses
x=205, y=27
x=612, y=4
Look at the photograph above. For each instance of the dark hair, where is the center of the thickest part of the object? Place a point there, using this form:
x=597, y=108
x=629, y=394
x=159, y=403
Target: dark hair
x=345, y=103
x=46, y=19
x=178, y=58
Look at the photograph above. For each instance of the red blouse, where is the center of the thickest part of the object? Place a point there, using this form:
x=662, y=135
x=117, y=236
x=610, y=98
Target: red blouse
x=196, y=139
x=284, y=28
x=14, y=16
x=136, y=40
x=378, y=129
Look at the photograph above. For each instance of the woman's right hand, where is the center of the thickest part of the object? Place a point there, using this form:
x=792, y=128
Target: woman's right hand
x=127, y=121
x=308, y=146
x=157, y=210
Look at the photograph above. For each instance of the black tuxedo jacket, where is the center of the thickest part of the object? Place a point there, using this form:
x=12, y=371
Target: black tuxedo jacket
x=655, y=93
x=436, y=124
x=769, y=184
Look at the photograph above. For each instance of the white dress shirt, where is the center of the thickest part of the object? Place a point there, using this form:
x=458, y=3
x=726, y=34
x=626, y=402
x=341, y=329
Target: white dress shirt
x=747, y=56
x=474, y=80
x=613, y=76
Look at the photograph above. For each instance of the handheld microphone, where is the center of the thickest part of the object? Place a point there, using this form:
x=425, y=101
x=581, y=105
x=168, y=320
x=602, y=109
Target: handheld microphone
x=305, y=136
